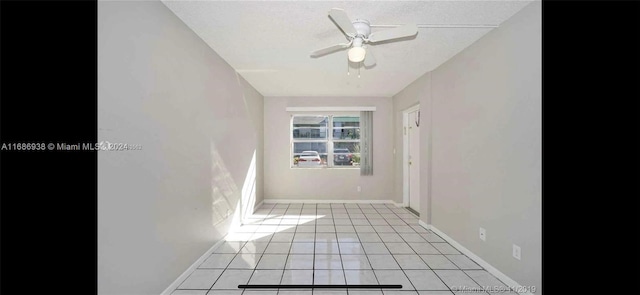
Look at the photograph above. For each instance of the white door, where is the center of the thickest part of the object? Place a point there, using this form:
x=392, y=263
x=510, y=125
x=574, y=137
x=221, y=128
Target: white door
x=414, y=161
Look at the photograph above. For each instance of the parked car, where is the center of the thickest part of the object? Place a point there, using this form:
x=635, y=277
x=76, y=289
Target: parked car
x=309, y=159
x=342, y=157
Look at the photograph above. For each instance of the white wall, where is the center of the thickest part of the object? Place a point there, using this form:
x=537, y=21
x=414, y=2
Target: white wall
x=254, y=102
x=486, y=146
x=161, y=86
x=283, y=182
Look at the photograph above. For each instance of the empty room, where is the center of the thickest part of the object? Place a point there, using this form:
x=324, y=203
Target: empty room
x=320, y=147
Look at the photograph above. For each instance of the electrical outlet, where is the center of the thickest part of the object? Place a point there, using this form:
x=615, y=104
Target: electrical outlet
x=359, y=189
x=516, y=251
x=483, y=234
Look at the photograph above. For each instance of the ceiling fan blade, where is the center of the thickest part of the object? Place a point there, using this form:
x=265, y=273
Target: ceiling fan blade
x=369, y=59
x=329, y=49
x=399, y=32
x=342, y=20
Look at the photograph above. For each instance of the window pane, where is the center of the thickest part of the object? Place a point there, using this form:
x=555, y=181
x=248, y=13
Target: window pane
x=346, y=154
x=312, y=127
x=346, y=121
x=346, y=133
x=346, y=127
x=309, y=154
x=350, y=147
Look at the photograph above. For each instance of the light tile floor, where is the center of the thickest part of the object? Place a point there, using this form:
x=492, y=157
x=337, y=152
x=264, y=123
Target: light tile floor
x=336, y=244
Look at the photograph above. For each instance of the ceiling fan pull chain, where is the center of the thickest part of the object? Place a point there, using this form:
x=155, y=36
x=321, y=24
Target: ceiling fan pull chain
x=348, y=66
x=359, y=66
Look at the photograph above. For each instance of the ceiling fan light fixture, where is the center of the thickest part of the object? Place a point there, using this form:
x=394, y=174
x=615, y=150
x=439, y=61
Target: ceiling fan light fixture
x=357, y=54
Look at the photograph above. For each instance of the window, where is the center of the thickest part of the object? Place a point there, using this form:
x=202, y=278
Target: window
x=317, y=138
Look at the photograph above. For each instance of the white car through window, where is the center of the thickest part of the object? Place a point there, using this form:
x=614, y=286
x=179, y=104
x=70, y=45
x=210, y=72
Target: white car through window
x=309, y=159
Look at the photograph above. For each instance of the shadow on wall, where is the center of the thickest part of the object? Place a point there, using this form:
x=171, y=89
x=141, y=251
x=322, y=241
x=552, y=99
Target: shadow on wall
x=224, y=200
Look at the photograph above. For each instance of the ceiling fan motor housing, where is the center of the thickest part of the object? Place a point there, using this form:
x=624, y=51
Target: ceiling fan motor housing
x=362, y=27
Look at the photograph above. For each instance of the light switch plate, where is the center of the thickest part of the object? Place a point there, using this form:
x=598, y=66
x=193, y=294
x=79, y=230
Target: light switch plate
x=516, y=251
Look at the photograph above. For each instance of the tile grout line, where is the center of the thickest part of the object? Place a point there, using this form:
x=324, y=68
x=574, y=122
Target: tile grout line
x=418, y=257
x=445, y=256
x=313, y=254
x=244, y=243
x=445, y=242
x=335, y=232
x=394, y=258
x=253, y=233
x=436, y=274
x=315, y=229
x=366, y=255
x=360, y=243
x=226, y=267
x=347, y=269
x=459, y=268
x=329, y=268
x=284, y=267
x=263, y=252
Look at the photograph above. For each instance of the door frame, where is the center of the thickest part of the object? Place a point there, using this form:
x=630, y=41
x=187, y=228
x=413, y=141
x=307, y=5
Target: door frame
x=405, y=153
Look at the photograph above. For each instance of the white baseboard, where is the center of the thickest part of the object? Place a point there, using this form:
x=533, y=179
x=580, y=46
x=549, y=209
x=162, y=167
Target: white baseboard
x=492, y=270
x=257, y=206
x=193, y=267
x=271, y=201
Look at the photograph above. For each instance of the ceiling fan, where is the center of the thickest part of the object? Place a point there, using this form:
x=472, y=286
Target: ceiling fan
x=358, y=32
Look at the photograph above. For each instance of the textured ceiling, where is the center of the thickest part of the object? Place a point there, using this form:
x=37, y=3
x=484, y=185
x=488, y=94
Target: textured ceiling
x=268, y=42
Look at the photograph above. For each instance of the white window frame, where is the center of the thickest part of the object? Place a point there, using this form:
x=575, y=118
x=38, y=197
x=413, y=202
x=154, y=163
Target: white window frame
x=329, y=140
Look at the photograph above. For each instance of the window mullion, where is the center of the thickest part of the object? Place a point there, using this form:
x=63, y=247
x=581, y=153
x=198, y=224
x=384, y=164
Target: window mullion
x=330, y=143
